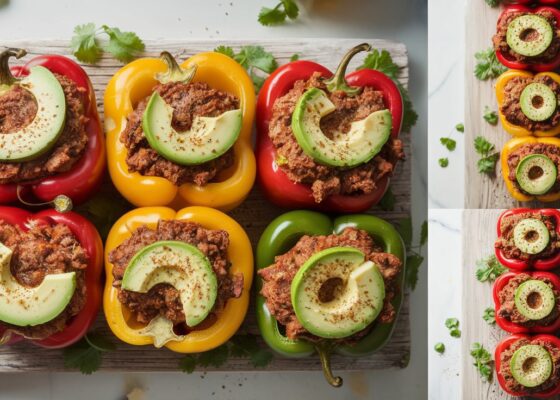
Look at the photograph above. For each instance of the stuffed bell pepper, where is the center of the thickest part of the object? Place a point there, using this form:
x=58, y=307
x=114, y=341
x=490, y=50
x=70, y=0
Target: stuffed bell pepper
x=528, y=103
x=328, y=141
x=181, y=134
x=177, y=279
x=530, y=168
x=51, y=140
x=50, y=284
x=529, y=365
x=529, y=238
x=328, y=286
x=528, y=38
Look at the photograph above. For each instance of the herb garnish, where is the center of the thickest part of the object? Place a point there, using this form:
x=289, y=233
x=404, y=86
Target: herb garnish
x=443, y=162
x=414, y=258
x=439, y=347
x=453, y=325
x=86, y=354
x=490, y=116
x=448, y=142
x=482, y=361
x=487, y=163
x=488, y=269
x=489, y=316
x=278, y=14
x=487, y=65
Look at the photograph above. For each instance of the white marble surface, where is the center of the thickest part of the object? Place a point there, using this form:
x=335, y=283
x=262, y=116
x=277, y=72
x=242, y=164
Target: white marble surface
x=401, y=20
x=444, y=301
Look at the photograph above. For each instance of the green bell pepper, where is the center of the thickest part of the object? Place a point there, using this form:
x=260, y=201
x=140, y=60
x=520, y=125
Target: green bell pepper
x=279, y=237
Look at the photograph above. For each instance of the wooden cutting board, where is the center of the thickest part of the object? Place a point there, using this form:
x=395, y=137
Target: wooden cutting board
x=254, y=214
x=481, y=190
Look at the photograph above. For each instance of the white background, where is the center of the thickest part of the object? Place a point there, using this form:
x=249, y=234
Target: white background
x=400, y=20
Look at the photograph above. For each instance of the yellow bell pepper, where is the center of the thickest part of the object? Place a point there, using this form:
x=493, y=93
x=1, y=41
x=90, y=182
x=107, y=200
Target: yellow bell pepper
x=228, y=320
x=509, y=147
x=516, y=130
x=134, y=82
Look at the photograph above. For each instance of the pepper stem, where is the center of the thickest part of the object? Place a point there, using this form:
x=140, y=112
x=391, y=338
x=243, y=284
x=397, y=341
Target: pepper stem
x=338, y=81
x=6, y=77
x=325, y=350
x=60, y=203
x=174, y=71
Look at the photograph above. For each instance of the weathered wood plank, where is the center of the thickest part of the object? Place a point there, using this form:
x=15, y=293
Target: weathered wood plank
x=254, y=214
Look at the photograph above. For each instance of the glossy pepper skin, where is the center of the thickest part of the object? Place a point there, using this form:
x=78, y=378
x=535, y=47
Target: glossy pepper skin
x=239, y=253
x=84, y=178
x=508, y=148
x=90, y=240
x=516, y=130
x=512, y=327
x=134, y=82
x=505, y=344
x=521, y=265
x=529, y=2
x=538, y=67
x=275, y=183
x=280, y=236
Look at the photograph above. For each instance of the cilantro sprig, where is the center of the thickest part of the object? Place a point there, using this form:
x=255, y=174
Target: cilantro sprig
x=453, y=325
x=488, y=269
x=87, y=47
x=277, y=15
x=87, y=354
x=489, y=316
x=493, y=3
x=450, y=144
x=482, y=361
x=488, y=157
x=490, y=116
x=414, y=258
x=487, y=65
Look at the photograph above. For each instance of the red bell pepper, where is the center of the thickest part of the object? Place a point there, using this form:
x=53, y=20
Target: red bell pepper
x=276, y=185
x=529, y=2
x=90, y=240
x=505, y=344
x=512, y=327
x=83, y=179
x=544, y=264
x=511, y=63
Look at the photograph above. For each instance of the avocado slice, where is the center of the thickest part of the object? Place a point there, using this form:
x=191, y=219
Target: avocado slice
x=25, y=306
x=531, y=236
x=360, y=144
x=208, y=138
x=534, y=299
x=536, y=174
x=336, y=293
x=538, y=101
x=42, y=133
x=182, y=266
x=531, y=365
x=529, y=35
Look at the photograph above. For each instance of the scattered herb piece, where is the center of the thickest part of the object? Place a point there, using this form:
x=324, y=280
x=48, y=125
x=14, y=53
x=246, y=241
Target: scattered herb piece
x=487, y=65
x=443, y=162
x=86, y=354
x=294, y=57
x=460, y=127
x=453, y=325
x=488, y=269
x=414, y=258
x=278, y=14
x=387, y=202
x=490, y=116
x=487, y=163
x=489, y=316
x=482, y=361
x=448, y=142
x=493, y=3
x=456, y=333
x=440, y=348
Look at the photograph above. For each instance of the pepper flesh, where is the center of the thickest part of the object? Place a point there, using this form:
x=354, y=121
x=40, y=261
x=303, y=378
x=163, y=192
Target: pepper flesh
x=136, y=81
x=228, y=321
x=281, y=235
x=89, y=239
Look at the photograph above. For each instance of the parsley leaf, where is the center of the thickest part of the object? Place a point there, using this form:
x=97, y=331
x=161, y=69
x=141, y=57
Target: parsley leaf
x=86, y=354
x=482, y=361
x=460, y=127
x=387, y=202
x=489, y=316
x=84, y=43
x=488, y=269
x=490, y=116
x=493, y=3
x=487, y=65
x=443, y=162
x=439, y=347
x=487, y=162
x=278, y=14
x=449, y=143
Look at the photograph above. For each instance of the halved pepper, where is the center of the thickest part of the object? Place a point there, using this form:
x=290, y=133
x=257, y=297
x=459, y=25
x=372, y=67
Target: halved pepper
x=514, y=64
x=276, y=185
x=508, y=148
x=279, y=237
x=89, y=239
x=516, y=130
x=521, y=265
x=505, y=345
x=228, y=320
x=512, y=327
x=84, y=178
x=134, y=82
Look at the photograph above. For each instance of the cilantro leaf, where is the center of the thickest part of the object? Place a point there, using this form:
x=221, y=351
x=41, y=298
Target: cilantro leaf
x=277, y=15
x=187, y=364
x=124, y=46
x=439, y=347
x=487, y=65
x=443, y=162
x=460, y=127
x=291, y=8
x=487, y=162
x=493, y=3
x=84, y=43
x=404, y=227
x=294, y=57
x=215, y=357
x=413, y=263
x=490, y=116
x=482, y=146
x=449, y=143
x=451, y=323
x=488, y=269
x=86, y=354
x=387, y=202
x=489, y=316
x=226, y=50
x=482, y=361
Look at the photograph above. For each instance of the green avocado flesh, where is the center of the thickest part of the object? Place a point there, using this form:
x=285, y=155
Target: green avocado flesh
x=336, y=293
x=538, y=102
x=529, y=35
x=531, y=365
x=536, y=174
x=534, y=299
x=360, y=144
x=207, y=139
x=43, y=131
x=25, y=306
x=180, y=265
x=531, y=236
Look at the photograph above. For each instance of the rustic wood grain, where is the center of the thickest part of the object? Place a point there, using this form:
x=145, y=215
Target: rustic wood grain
x=254, y=214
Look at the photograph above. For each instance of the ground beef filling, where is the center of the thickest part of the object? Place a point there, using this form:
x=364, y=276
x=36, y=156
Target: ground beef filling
x=549, y=150
x=278, y=278
x=511, y=108
x=18, y=108
x=500, y=42
x=164, y=299
x=188, y=101
x=506, y=244
x=324, y=180
x=44, y=250
x=508, y=310
x=505, y=369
